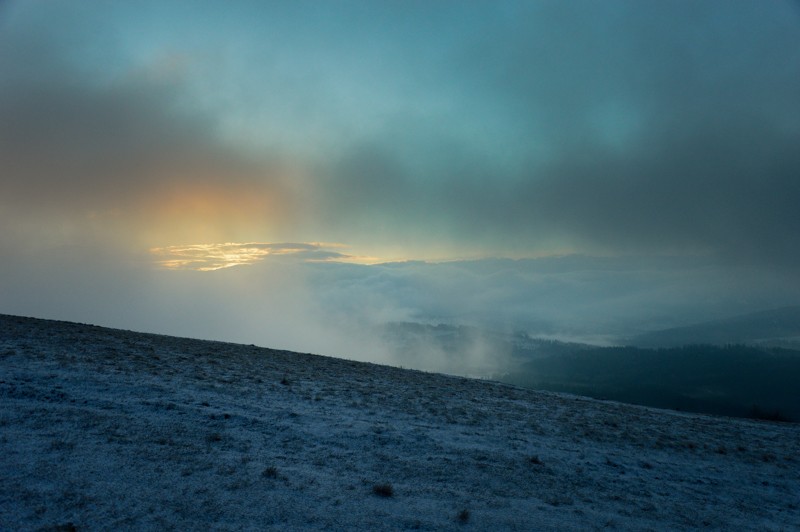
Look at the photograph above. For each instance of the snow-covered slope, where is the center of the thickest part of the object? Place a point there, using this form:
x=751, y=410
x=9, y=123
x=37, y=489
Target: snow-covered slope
x=108, y=429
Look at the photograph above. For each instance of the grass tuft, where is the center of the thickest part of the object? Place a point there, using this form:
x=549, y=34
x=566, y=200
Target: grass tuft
x=383, y=490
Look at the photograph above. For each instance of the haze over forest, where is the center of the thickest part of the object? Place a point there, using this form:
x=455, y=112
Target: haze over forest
x=303, y=175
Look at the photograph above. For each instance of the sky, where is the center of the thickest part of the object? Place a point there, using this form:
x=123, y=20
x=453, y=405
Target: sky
x=294, y=173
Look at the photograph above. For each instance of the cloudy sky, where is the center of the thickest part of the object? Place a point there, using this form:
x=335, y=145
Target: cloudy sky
x=207, y=168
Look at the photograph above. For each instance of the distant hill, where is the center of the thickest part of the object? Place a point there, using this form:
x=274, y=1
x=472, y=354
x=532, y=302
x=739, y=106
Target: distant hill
x=732, y=380
x=778, y=327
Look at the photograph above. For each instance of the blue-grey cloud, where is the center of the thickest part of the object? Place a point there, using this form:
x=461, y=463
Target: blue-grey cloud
x=630, y=126
x=516, y=128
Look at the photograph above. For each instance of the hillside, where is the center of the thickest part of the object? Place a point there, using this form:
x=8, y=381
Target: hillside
x=108, y=429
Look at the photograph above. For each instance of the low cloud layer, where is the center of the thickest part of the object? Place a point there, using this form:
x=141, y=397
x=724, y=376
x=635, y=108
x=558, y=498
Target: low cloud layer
x=350, y=310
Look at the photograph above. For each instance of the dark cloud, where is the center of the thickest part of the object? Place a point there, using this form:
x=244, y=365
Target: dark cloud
x=631, y=127
x=712, y=165
x=722, y=188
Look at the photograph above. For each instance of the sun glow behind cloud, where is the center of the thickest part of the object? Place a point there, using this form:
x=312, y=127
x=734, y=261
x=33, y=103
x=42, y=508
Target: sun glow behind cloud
x=210, y=257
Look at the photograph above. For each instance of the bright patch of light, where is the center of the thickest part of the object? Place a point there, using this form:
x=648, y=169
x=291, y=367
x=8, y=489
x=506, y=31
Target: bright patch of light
x=211, y=257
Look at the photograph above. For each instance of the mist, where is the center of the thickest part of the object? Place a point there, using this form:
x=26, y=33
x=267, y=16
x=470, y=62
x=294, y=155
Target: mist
x=359, y=311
